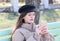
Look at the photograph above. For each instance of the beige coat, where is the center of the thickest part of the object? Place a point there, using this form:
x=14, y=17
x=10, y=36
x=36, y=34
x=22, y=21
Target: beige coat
x=27, y=32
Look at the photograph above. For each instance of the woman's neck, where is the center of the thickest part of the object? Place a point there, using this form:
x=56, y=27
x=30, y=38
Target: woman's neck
x=28, y=23
x=29, y=26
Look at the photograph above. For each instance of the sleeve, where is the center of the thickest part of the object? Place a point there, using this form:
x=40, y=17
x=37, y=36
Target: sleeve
x=49, y=37
x=45, y=37
x=17, y=36
x=34, y=37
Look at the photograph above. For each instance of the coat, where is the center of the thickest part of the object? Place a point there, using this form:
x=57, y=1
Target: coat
x=27, y=32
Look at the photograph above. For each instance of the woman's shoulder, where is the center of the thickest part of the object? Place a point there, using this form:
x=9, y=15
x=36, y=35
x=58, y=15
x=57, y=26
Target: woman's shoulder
x=21, y=30
x=17, y=32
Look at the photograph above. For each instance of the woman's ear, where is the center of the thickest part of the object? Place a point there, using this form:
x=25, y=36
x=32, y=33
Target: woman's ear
x=23, y=20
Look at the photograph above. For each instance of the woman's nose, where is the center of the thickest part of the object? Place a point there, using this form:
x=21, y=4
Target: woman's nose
x=32, y=16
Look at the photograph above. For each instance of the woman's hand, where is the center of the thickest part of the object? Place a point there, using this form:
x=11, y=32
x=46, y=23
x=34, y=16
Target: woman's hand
x=42, y=28
x=38, y=29
x=43, y=25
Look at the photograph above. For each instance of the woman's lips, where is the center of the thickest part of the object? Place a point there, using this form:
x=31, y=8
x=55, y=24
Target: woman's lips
x=31, y=19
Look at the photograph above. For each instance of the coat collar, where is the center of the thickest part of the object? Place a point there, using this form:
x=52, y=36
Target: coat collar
x=29, y=26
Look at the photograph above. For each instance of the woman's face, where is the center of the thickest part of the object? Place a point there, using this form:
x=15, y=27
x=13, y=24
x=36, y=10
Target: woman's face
x=29, y=18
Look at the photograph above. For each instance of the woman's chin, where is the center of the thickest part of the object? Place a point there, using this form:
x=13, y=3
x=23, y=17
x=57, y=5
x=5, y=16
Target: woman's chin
x=31, y=22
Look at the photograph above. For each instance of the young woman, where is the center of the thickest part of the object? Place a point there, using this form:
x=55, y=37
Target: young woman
x=27, y=30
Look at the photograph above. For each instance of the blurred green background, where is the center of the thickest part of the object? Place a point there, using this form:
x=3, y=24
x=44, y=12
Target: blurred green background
x=9, y=19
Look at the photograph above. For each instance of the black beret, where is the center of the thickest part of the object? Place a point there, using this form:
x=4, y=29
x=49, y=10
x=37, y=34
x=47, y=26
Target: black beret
x=27, y=8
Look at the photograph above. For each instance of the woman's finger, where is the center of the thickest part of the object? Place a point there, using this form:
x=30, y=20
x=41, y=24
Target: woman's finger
x=38, y=30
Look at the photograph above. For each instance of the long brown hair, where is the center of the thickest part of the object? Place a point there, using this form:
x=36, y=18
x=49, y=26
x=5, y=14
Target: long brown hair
x=19, y=22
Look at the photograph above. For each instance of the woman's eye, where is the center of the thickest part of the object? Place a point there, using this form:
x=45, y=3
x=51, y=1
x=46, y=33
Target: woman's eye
x=34, y=14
